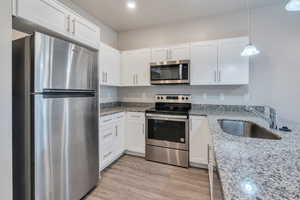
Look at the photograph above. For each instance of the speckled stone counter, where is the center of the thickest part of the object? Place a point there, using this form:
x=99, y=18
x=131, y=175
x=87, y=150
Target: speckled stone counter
x=125, y=107
x=249, y=169
x=256, y=169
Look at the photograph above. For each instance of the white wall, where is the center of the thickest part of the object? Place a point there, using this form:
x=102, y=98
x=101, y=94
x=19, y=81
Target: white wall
x=274, y=74
x=5, y=102
x=108, y=35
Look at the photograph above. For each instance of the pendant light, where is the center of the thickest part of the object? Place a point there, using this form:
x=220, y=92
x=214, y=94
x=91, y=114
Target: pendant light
x=293, y=5
x=250, y=49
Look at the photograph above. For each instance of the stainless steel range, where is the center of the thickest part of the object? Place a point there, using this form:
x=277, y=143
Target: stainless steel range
x=167, y=130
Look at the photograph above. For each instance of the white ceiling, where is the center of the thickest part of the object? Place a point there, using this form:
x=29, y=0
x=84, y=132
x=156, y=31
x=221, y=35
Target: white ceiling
x=156, y=12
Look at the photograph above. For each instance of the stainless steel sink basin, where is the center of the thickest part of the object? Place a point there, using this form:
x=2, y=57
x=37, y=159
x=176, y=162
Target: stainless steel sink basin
x=246, y=129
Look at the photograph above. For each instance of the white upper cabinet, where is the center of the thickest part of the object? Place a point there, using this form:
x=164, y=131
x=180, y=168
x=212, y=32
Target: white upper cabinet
x=233, y=68
x=127, y=66
x=159, y=54
x=109, y=60
x=178, y=52
x=219, y=62
x=204, y=63
x=14, y=7
x=84, y=31
x=135, y=67
x=58, y=18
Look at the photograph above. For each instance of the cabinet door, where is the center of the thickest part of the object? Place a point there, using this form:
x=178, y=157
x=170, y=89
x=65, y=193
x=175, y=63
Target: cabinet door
x=49, y=14
x=119, y=136
x=105, y=63
x=106, y=136
x=204, y=63
x=14, y=7
x=135, y=132
x=200, y=138
x=233, y=68
x=116, y=68
x=142, y=67
x=127, y=69
x=180, y=52
x=84, y=31
x=159, y=54
x=109, y=65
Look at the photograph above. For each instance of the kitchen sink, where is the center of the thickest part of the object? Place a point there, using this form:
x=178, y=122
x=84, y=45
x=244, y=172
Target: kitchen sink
x=246, y=129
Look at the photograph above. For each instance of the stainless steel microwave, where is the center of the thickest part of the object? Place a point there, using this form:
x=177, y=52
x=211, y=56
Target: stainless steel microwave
x=170, y=72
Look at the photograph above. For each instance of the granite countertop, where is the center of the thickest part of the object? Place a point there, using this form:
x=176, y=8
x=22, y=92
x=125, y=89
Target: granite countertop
x=257, y=169
x=249, y=168
x=124, y=108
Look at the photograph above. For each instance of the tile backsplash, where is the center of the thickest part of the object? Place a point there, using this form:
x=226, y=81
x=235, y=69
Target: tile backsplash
x=108, y=94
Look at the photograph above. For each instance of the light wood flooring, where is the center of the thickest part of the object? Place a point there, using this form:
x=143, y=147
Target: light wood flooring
x=133, y=178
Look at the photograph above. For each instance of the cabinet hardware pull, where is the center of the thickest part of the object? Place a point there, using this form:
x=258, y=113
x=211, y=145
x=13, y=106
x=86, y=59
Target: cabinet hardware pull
x=107, y=135
x=74, y=26
x=215, y=74
x=117, y=131
x=219, y=76
x=68, y=23
x=143, y=129
x=106, y=155
x=135, y=116
x=108, y=120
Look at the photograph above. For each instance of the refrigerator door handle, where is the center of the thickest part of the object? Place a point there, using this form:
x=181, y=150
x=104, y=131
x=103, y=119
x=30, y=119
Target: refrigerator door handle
x=60, y=91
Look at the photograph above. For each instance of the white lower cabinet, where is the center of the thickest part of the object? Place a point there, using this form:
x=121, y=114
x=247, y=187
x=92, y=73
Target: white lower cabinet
x=117, y=135
x=111, y=139
x=200, y=138
x=135, y=132
x=119, y=142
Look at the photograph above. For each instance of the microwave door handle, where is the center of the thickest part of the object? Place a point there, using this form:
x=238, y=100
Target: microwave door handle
x=180, y=72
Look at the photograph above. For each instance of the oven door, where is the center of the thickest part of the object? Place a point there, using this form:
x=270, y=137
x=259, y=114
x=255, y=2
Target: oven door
x=168, y=131
x=170, y=74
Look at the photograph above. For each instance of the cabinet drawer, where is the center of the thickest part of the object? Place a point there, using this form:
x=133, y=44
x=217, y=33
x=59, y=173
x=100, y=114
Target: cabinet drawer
x=136, y=116
x=106, y=135
x=119, y=116
x=106, y=120
x=107, y=155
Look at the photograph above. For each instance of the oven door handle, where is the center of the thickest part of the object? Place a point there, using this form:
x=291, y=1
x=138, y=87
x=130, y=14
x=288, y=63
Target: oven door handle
x=166, y=116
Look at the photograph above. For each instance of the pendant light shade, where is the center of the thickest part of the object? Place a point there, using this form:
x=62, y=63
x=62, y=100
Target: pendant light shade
x=293, y=5
x=250, y=49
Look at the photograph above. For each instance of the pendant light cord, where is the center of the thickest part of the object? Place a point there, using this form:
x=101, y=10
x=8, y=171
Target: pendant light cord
x=249, y=21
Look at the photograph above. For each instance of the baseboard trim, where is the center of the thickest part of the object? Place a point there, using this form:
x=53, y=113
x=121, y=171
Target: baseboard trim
x=197, y=165
x=132, y=153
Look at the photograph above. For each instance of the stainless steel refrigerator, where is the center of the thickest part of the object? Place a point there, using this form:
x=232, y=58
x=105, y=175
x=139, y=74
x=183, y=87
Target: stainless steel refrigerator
x=55, y=119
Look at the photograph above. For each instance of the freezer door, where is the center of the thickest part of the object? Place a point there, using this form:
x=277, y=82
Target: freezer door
x=62, y=65
x=66, y=162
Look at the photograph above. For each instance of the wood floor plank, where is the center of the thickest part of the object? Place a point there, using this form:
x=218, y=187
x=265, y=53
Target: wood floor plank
x=134, y=178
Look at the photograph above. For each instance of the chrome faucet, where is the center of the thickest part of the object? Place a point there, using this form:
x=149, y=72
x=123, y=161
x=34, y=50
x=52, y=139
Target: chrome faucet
x=270, y=117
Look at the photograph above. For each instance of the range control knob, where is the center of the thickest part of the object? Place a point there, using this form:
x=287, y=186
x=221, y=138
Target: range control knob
x=182, y=98
x=186, y=98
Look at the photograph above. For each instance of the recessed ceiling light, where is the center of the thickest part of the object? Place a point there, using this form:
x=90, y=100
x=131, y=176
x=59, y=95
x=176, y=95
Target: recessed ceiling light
x=293, y=5
x=131, y=4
